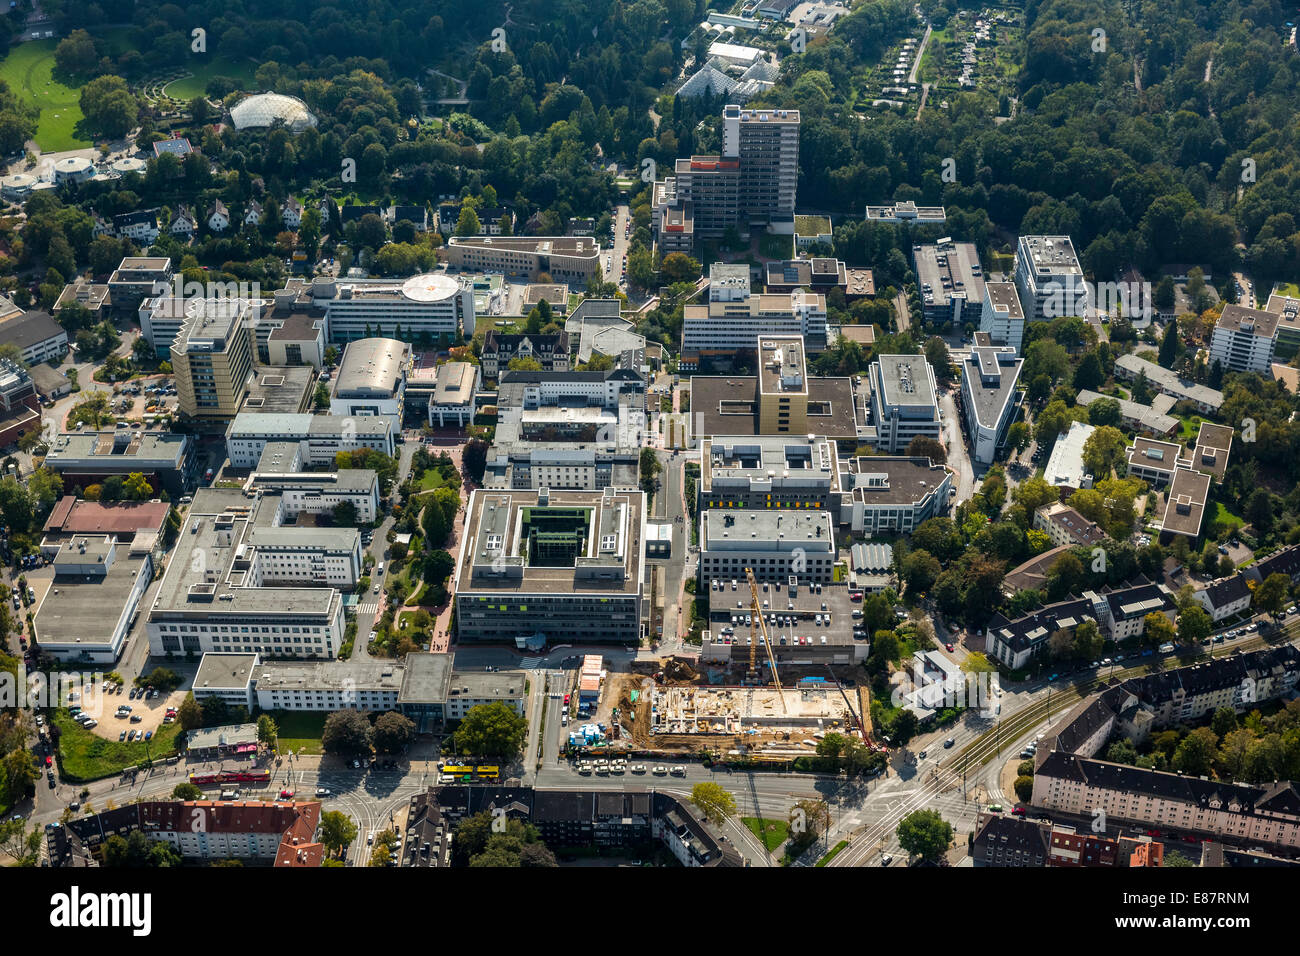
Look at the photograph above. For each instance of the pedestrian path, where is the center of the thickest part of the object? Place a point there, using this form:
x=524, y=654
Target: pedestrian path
x=371, y=608
x=528, y=663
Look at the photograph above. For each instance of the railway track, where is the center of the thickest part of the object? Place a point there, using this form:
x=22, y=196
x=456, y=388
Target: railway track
x=988, y=746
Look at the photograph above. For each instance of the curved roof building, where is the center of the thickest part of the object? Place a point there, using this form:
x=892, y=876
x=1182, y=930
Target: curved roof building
x=265, y=109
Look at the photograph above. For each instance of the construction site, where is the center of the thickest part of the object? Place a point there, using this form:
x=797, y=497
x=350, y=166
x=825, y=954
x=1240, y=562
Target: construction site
x=759, y=711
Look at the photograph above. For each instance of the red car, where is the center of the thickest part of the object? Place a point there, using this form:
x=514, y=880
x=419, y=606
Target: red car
x=566, y=700
x=949, y=646
x=49, y=761
x=1018, y=812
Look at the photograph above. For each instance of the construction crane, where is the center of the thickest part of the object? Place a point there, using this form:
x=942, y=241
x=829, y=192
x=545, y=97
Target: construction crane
x=760, y=625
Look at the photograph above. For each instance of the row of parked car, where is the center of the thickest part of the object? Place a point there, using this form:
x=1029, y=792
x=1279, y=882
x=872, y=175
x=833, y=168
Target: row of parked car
x=619, y=765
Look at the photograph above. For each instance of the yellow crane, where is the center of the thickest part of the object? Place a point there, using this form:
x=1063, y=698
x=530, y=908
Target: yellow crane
x=758, y=626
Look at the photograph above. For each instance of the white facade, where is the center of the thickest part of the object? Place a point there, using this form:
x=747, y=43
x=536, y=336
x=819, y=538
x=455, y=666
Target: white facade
x=1049, y=278
x=1244, y=339
x=989, y=394
x=321, y=436
x=729, y=325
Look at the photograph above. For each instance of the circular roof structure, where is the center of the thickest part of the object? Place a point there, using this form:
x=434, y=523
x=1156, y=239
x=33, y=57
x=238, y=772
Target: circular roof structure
x=129, y=164
x=430, y=287
x=72, y=164
x=265, y=109
x=18, y=181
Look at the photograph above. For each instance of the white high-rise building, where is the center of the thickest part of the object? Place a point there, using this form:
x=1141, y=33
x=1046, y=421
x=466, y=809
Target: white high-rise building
x=1049, y=278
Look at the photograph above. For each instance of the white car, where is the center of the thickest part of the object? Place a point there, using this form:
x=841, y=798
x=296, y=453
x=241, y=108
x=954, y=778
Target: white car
x=638, y=768
x=660, y=771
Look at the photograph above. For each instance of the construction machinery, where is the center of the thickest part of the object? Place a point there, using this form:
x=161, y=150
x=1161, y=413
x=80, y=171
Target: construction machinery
x=759, y=626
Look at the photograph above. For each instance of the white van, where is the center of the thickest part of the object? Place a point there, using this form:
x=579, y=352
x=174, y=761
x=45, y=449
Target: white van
x=380, y=568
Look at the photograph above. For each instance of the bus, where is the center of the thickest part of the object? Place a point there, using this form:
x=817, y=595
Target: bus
x=488, y=773
x=465, y=773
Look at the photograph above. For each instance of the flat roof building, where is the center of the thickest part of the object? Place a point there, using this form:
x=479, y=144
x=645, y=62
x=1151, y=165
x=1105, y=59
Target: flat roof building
x=240, y=582
x=1049, y=278
x=728, y=328
x=87, y=458
x=1244, y=339
x=553, y=566
x=819, y=274
x=86, y=613
x=989, y=377
x=321, y=436
x=1065, y=468
x=950, y=280
x=568, y=260
x=890, y=495
x=213, y=358
x=434, y=308
x=775, y=545
x=904, y=402
x=768, y=472
x=906, y=211
x=1002, y=317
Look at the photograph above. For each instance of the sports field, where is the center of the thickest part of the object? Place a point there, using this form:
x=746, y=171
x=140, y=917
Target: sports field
x=28, y=70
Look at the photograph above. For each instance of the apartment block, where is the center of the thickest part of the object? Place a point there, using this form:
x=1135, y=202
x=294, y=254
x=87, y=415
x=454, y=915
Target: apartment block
x=213, y=359
x=1244, y=339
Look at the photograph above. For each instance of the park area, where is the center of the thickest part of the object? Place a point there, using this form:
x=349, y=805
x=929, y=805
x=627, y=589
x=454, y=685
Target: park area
x=85, y=755
x=29, y=71
x=196, y=81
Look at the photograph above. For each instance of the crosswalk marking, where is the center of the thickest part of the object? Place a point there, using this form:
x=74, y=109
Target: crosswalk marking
x=368, y=608
x=530, y=662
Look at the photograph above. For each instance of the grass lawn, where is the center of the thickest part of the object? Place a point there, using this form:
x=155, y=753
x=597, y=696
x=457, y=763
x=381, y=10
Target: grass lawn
x=1190, y=426
x=28, y=69
x=188, y=87
x=85, y=756
x=431, y=480
x=775, y=246
x=1226, y=518
x=832, y=854
x=1291, y=289
x=300, y=730
x=771, y=832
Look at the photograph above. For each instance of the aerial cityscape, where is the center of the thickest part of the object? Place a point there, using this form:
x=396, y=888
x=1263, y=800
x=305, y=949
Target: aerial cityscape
x=747, y=434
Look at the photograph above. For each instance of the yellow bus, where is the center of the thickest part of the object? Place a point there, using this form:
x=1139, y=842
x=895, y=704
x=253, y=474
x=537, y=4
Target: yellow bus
x=463, y=772
x=488, y=773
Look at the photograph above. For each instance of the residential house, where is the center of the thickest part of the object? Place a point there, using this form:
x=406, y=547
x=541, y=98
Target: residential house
x=218, y=217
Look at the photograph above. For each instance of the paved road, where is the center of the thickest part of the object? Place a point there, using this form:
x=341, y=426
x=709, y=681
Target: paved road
x=958, y=453
x=615, y=272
